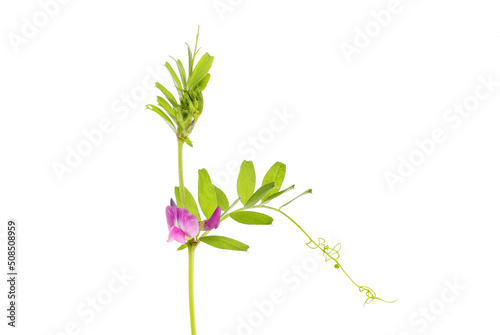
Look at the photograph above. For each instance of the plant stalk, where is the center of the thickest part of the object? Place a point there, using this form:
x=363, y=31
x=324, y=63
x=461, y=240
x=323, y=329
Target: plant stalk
x=191, y=249
x=191, y=246
x=182, y=190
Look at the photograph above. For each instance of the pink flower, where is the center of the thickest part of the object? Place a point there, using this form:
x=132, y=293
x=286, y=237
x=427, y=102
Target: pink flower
x=214, y=221
x=181, y=224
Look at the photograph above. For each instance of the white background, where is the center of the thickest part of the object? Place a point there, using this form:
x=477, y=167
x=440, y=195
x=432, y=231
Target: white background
x=351, y=121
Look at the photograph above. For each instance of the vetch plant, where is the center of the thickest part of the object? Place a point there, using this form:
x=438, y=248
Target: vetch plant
x=185, y=223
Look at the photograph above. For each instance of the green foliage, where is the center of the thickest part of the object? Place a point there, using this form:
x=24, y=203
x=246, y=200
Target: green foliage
x=210, y=196
x=246, y=194
x=252, y=218
x=176, y=80
x=162, y=114
x=246, y=181
x=233, y=205
x=222, y=201
x=191, y=58
x=275, y=174
x=275, y=195
x=182, y=116
x=166, y=106
x=182, y=72
x=222, y=242
x=206, y=193
x=184, y=113
x=259, y=194
x=167, y=94
x=204, y=82
x=191, y=205
x=201, y=70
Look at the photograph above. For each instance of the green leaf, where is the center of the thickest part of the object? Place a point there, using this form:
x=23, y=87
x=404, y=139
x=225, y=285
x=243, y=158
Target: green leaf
x=201, y=69
x=203, y=83
x=191, y=59
x=222, y=242
x=246, y=181
x=167, y=94
x=183, y=246
x=259, y=194
x=277, y=174
x=206, y=193
x=309, y=191
x=248, y=217
x=232, y=205
x=180, y=67
x=166, y=106
x=163, y=115
x=222, y=201
x=200, y=102
x=191, y=55
x=176, y=80
x=275, y=195
x=191, y=205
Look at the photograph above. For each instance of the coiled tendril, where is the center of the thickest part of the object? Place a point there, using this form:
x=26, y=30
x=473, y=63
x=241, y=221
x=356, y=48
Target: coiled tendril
x=328, y=253
x=333, y=254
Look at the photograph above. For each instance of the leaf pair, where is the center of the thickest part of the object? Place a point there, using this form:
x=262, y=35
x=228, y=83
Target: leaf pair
x=209, y=195
x=200, y=74
x=198, y=78
x=271, y=184
x=171, y=114
x=163, y=115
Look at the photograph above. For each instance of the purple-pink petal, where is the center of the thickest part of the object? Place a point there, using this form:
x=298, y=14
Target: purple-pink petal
x=214, y=221
x=179, y=221
x=171, y=216
x=176, y=235
x=189, y=223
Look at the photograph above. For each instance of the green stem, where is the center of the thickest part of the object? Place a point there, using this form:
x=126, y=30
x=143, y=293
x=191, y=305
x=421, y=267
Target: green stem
x=191, y=249
x=289, y=218
x=191, y=246
x=312, y=241
x=182, y=190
